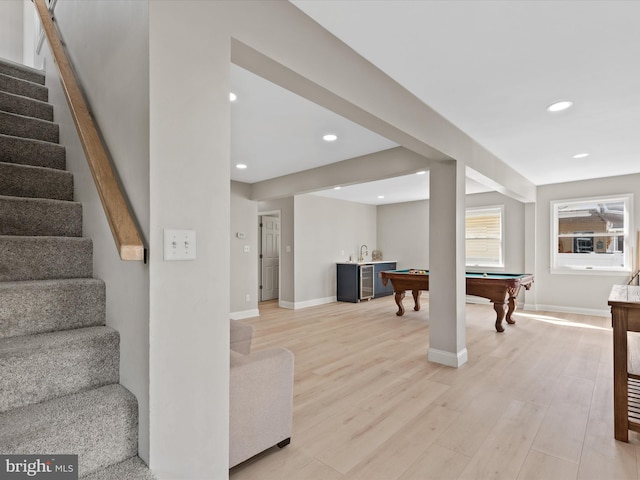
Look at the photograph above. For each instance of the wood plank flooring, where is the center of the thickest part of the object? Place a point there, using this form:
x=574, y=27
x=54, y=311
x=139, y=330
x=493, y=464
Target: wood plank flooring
x=535, y=402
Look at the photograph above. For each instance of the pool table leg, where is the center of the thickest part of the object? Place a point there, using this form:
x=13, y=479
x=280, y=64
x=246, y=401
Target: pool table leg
x=500, y=311
x=513, y=303
x=416, y=300
x=399, y=296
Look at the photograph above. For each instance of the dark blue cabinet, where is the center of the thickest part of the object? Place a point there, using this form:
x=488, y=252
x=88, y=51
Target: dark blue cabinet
x=348, y=281
x=348, y=287
x=379, y=290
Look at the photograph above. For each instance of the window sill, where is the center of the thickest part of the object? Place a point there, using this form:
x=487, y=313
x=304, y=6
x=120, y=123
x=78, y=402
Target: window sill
x=484, y=268
x=590, y=271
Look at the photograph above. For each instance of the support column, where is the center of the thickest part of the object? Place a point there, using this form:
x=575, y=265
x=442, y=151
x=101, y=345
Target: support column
x=530, y=235
x=447, y=322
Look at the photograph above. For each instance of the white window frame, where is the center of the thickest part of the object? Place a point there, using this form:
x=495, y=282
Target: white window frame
x=558, y=267
x=499, y=209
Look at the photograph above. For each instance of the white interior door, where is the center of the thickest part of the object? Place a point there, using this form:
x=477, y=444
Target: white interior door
x=269, y=257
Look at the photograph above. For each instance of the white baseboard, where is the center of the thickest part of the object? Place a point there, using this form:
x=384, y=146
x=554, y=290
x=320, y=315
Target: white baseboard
x=448, y=358
x=244, y=314
x=306, y=303
x=605, y=312
x=550, y=308
x=315, y=302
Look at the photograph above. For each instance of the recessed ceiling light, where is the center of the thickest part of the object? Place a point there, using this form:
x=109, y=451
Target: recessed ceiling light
x=559, y=106
x=241, y=166
x=381, y=196
x=232, y=97
x=580, y=155
x=337, y=188
x=421, y=172
x=330, y=137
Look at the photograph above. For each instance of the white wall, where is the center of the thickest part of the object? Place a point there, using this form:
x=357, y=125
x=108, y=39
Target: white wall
x=327, y=231
x=11, y=30
x=30, y=35
x=244, y=265
x=403, y=233
x=579, y=293
x=108, y=44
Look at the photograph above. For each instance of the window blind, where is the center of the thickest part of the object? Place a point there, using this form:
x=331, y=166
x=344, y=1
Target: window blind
x=483, y=234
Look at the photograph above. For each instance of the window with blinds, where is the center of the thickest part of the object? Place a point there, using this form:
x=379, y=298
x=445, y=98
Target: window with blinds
x=483, y=235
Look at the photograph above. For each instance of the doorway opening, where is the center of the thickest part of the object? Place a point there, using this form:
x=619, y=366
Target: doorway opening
x=269, y=256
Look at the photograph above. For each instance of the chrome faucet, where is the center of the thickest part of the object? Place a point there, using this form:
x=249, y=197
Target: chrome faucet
x=366, y=252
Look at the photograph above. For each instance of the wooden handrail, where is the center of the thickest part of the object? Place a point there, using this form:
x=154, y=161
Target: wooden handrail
x=125, y=232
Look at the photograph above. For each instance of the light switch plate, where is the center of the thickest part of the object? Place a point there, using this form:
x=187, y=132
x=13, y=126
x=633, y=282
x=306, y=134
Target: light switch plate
x=179, y=244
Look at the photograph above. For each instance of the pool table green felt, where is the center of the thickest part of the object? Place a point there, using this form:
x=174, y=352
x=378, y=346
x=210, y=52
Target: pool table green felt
x=500, y=288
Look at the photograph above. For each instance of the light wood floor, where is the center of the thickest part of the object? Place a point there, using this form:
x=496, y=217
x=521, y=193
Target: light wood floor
x=534, y=402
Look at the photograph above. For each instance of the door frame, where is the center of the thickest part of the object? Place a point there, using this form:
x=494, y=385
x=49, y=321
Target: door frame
x=268, y=213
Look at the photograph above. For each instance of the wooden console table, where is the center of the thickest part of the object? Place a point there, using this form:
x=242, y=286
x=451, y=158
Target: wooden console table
x=625, y=317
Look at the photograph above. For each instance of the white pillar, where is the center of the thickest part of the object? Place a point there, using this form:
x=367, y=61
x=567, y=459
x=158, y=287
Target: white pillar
x=447, y=336
x=189, y=187
x=530, y=296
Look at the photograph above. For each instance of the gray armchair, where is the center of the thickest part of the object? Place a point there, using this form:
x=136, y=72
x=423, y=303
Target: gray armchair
x=261, y=396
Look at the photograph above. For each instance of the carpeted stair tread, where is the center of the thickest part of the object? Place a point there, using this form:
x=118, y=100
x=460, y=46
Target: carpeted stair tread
x=59, y=363
x=45, y=258
x=28, y=127
x=25, y=88
x=99, y=425
x=36, y=368
x=17, y=70
x=26, y=106
x=131, y=469
x=40, y=217
x=41, y=306
x=27, y=151
x=35, y=182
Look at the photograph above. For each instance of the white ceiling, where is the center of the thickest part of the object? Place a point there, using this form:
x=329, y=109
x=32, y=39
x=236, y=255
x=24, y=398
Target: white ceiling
x=275, y=132
x=490, y=67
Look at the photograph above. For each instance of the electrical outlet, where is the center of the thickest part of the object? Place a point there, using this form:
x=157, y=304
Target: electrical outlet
x=247, y=297
x=179, y=244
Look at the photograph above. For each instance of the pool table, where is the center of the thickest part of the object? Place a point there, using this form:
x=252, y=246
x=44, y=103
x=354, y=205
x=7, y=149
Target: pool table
x=500, y=288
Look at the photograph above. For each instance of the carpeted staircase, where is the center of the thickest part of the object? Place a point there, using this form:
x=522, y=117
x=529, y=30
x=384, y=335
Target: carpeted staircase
x=59, y=363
